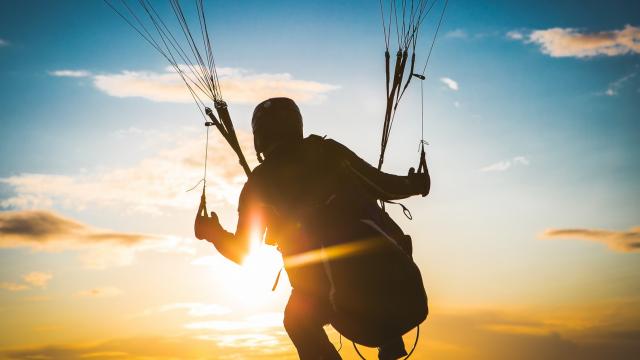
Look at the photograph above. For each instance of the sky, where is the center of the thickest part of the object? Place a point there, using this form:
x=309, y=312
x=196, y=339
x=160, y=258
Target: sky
x=528, y=242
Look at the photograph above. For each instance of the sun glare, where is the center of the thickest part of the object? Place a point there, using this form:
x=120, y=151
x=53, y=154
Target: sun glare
x=258, y=273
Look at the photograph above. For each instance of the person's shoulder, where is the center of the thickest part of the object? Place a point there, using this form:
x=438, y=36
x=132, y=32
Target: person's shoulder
x=324, y=142
x=251, y=188
x=315, y=139
x=256, y=174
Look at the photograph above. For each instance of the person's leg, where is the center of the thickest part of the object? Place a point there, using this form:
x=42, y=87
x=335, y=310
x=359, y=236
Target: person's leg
x=304, y=318
x=392, y=349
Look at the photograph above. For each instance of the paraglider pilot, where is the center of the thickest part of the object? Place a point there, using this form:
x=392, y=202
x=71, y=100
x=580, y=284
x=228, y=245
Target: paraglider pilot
x=348, y=262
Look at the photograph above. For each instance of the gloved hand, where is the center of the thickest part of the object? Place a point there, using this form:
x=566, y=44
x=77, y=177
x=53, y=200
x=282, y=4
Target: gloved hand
x=420, y=182
x=205, y=227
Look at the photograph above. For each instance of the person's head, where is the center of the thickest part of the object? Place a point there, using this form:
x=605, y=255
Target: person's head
x=275, y=121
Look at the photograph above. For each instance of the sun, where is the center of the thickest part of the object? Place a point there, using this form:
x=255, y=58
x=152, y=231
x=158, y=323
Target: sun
x=258, y=273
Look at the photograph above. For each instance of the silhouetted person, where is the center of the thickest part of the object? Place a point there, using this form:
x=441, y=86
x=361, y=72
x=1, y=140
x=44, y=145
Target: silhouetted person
x=317, y=201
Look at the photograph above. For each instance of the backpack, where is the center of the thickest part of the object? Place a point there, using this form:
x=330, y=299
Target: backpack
x=337, y=242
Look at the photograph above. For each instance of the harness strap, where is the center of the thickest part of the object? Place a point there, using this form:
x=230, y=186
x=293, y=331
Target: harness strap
x=405, y=209
x=415, y=344
x=275, y=283
x=422, y=167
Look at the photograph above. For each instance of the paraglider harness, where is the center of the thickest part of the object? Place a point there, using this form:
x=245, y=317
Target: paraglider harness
x=407, y=31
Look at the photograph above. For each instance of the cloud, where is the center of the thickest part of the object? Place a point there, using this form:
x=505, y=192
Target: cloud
x=70, y=73
x=506, y=164
x=591, y=331
x=261, y=321
x=457, y=34
x=11, y=286
x=154, y=185
x=614, y=88
x=619, y=241
x=44, y=230
x=515, y=35
x=461, y=34
x=588, y=332
x=521, y=160
x=238, y=85
x=4, y=42
x=37, y=278
x=451, y=84
x=99, y=249
x=243, y=341
x=570, y=42
x=499, y=166
x=164, y=348
x=193, y=309
x=100, y=292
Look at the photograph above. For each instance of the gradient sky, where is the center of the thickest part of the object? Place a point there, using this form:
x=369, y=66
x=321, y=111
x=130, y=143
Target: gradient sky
x=528, y=242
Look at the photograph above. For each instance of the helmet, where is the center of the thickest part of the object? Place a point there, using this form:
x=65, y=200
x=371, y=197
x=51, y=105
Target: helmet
x=276, y=120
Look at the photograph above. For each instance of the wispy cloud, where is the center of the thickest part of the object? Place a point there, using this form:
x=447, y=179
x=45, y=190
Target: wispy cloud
x=99, y=292
x=41, y=229
x=457, y=34
x=570, y=42
x=154, y=185
x=193, y=309
x=12, y=286
x=38, y=278
x=586, y=332
x=70, y=73
x=4, y=42
x=238, y=85
x=47, y=231
x=461, y=34
x=614, y=88
x=244, y=341
x=261, y=321
x=499, y=166
x=32, y=279
x=451, y=84
x=515, y=35
x=620, y=241
x=215, y=346
x=504, y=165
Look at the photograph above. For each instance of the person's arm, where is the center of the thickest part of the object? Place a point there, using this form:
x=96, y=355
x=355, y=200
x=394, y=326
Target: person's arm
x=234, y=247
x=382, y=185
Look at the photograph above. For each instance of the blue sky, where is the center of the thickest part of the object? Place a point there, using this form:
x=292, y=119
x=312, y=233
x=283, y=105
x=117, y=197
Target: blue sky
x=531, y=110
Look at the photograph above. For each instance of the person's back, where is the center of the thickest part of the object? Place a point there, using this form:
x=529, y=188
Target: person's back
x=292, y=188
x=308, y=185
x=345, y=257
